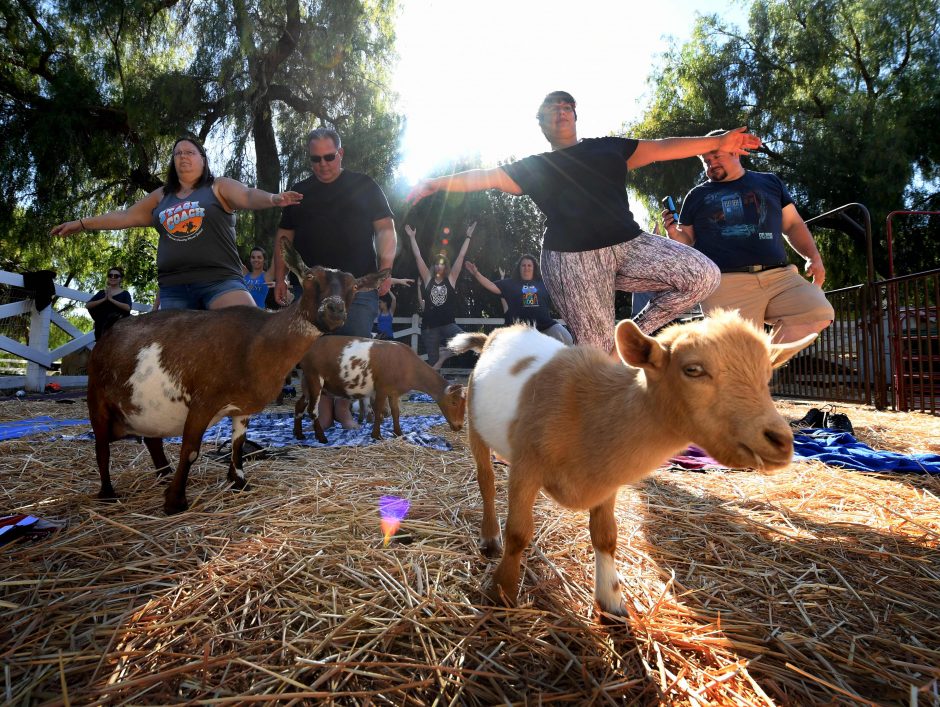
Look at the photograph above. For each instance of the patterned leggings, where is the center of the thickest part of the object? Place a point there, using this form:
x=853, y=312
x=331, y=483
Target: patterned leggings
x=582, y=284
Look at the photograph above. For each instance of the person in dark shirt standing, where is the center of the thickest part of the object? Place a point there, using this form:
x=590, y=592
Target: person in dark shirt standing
x=592, y=245
x=343, y=222
x=111, y=304
x=526, y=297
x=740, y=220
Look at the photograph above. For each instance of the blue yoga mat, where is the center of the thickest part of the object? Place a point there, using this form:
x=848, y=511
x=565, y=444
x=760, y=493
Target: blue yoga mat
x=840, y=449
x=34, y=425
x=276, y=429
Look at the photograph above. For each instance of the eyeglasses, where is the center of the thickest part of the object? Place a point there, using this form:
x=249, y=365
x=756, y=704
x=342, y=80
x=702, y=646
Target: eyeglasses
x=328, y=158
x=114, y=274
x=185, y=153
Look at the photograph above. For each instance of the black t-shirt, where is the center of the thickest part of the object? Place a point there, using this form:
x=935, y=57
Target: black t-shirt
x=106, y=313
x=582, y=192
x=440, y=301
x=334, y=224
x=528, y=302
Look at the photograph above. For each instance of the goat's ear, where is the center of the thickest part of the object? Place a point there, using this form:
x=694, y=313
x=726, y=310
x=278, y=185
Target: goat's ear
x=456, y=389
x=373, y=281
x=293, y=260
x=637, y=349
x=781, y=353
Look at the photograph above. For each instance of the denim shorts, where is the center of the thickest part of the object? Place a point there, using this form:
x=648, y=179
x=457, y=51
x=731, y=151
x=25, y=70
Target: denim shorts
x=198, y=295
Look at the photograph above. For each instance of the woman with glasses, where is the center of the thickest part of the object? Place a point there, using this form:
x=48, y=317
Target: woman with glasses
x=110, y=304
x=592, y=244
x=198, y=266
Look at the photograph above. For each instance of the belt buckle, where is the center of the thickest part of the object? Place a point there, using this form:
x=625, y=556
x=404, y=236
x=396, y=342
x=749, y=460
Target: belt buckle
x=755, y=268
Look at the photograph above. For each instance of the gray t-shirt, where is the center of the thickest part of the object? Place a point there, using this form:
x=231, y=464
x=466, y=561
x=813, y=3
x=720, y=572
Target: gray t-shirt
x=196, y=239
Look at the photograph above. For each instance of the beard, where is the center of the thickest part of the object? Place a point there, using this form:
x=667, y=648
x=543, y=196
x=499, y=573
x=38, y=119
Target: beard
x=717, y=173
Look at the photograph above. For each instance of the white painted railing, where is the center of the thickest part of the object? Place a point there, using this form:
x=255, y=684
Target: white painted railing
x=38, y=357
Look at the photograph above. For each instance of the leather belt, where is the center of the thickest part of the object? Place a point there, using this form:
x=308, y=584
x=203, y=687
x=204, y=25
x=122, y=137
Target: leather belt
x=755, y=268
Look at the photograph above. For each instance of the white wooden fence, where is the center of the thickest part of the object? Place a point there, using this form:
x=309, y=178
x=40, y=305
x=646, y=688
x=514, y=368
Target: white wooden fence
x=36, y=354
x=39, y=359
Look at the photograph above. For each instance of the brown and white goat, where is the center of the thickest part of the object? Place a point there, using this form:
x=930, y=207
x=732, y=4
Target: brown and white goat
x=178, y=372
x=356, y=367
x=579, y=424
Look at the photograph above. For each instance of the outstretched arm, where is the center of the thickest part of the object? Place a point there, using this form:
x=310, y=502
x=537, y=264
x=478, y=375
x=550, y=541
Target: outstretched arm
x=737, y=142
x=458, y=263
x=471, y=180
x=280, y=266
x=240, y=197
x=140, y=214
x=482, y=279
x=422, y=266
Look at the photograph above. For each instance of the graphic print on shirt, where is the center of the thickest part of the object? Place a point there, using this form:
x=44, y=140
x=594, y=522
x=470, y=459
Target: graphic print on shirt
x=438, y=294
x=530, y=296
x=738, y=215
x=183, y=221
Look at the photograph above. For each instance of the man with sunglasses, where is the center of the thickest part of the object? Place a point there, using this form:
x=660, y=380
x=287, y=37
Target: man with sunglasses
x=343, y=222
x=740, y=220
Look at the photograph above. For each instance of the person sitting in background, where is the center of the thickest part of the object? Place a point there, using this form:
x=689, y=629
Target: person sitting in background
x=525, y=297
x=111, y=304
x=438, y=324
x=258, y=280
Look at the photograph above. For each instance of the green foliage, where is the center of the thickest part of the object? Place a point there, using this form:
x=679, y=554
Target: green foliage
x=92, y=95
x=839, y=90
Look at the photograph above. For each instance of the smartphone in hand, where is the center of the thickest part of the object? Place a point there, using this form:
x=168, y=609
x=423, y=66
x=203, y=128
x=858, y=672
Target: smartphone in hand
x=668, y=203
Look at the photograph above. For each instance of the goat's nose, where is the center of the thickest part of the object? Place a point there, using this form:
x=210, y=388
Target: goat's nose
x=781, y=439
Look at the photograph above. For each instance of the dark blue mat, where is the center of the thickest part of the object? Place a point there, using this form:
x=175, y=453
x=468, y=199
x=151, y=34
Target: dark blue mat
x=840, y=449
x=34, y=425
x=276, y=429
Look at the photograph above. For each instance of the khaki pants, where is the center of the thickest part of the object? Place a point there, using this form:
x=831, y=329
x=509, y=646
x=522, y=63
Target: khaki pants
x=776, y=297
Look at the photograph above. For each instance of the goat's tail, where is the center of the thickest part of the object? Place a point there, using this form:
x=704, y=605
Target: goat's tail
x=472, y=341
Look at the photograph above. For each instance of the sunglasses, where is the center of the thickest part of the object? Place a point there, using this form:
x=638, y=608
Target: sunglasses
x=114, y=274
x=327, y=158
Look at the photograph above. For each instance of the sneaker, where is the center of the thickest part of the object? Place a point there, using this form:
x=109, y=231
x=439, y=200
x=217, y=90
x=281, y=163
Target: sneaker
x=838, y=421
x=813, y=418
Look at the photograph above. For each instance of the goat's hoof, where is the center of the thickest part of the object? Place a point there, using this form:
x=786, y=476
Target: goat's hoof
x=172, y=507
x=300, y=435
x=610, y=618
x=376, y=437
x=164, y=471
x=107, y=495
x=497, y=596
x=322, y=439
x=240, y=485
x=491, y=547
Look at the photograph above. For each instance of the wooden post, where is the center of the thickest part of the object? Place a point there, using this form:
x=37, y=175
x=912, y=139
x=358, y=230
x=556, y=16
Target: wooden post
x=39, y=323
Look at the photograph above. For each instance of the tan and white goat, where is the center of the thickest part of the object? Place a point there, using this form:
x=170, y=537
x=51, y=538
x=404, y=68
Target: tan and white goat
x=178, y=372
x=360, y=368
x=579, y=424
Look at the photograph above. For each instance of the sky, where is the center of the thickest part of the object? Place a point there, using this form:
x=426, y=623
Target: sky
x=471, y=75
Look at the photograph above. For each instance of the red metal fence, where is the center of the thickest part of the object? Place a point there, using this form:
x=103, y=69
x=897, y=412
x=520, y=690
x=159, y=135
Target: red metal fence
x=883, y=347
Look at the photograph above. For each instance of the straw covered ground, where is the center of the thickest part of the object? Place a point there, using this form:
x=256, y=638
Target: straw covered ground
x=812, y=585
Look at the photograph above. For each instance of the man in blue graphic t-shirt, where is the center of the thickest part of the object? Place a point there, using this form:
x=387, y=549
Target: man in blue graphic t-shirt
x=740, y=220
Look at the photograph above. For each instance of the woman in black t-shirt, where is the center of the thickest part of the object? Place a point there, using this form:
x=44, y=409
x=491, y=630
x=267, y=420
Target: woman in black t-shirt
x=438, y=325
x=110, y=304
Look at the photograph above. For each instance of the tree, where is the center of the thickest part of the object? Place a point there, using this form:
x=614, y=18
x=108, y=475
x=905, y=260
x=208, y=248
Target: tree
x=92, y=95
x=837, y=89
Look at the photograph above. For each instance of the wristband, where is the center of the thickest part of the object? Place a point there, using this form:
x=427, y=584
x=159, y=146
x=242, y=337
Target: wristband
x=273, y=203
x=82, y=224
